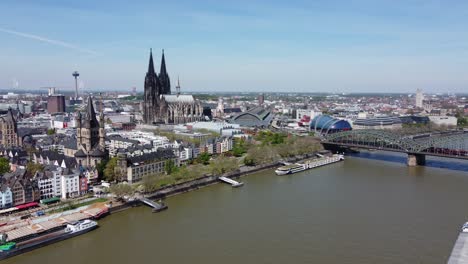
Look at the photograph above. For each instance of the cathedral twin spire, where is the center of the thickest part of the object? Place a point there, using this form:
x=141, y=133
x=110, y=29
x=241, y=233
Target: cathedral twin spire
x=162, y=82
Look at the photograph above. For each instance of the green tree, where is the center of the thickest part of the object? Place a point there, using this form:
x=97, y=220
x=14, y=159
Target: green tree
x=239, y=148
x=462, y=121
x=222, y=165
x=101, y=166
x=32, y=168
x=204, y=158
x=4, y=165
x=149, y=183
x=122, y=189
x=51, y=131
x=109, y=170
x=249, y=161
x=170, y=167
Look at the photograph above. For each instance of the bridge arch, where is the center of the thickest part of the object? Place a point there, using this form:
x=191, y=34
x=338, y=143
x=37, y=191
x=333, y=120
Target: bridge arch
x=371, y=138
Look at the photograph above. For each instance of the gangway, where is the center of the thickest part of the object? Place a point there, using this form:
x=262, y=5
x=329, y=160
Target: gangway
x=156, y=206
x=231, y=181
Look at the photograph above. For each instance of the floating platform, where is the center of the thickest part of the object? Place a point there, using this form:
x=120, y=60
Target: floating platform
x=156, y=206
x=232, y=182
x=459, y=253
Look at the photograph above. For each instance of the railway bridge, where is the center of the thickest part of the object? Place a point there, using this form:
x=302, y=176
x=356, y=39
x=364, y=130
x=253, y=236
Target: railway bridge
x=449, y=144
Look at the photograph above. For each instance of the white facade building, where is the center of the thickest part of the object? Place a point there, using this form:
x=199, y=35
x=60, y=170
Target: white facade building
x=443, y=120
x=6, y=197
x=70, y=185
x=308, y=112
x=419, y=98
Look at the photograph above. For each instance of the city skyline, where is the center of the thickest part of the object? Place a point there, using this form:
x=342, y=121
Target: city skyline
x=260, y=46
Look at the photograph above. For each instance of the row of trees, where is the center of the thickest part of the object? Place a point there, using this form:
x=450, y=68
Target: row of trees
x=271, y=152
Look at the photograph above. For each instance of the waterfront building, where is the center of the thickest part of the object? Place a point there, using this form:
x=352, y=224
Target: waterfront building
x=325, y=124
x=70, y=184
x=24, y=189
x=6, y=196
x=160, y=106
x=49, y=182
x=135, y=168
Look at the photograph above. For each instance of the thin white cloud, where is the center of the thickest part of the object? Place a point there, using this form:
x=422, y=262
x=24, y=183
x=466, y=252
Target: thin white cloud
x=47, y=40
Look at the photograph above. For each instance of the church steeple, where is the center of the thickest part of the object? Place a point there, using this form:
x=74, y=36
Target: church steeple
x=163, y=65
x=164, y=77
x=151, y=64
x=178, y=86
x=91, y=120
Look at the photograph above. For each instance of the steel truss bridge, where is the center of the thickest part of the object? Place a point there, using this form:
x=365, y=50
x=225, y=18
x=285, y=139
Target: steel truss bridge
x=450, y=144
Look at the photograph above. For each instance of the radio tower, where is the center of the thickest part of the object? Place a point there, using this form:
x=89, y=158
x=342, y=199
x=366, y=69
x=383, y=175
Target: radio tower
x=76, y=74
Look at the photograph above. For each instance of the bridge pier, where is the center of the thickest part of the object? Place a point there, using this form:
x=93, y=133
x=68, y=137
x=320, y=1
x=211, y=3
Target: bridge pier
x=416, y=159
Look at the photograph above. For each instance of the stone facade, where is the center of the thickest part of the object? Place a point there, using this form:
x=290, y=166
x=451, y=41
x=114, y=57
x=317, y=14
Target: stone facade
x=90, y=138
x=160, y=106
x=8, y=128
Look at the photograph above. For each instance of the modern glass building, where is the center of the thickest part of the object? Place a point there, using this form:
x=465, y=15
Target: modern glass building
x=326, y=124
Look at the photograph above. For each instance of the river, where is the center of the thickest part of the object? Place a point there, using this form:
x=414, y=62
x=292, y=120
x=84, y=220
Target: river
x=361, y=210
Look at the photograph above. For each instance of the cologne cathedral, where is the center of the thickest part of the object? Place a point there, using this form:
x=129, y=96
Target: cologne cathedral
x=162, y=107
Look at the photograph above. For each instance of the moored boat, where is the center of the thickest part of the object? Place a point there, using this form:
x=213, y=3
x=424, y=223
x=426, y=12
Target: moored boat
x=10, y=249
x=308, y=164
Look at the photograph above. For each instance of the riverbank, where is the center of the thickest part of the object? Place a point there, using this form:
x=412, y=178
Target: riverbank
x=204, y=181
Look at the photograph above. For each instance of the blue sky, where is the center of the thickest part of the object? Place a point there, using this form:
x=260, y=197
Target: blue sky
x=304, y=46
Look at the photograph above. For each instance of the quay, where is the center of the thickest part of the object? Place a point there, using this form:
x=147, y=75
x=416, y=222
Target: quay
x=459, y=253
x=232, y=182
x=156, y=206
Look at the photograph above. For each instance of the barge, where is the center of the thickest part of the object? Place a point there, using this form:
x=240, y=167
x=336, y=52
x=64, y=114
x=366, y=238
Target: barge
x=10, y=249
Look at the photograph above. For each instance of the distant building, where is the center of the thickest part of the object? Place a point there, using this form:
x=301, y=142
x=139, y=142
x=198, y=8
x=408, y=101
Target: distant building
x=160, y=106
x=444, y=120
x=307, y=112
x=56, y=104
x=380, y=122
x=419, y=98
x=256, y=117
x=261, y=99
x=412, y=120
x=9, y=130
x=325, y=124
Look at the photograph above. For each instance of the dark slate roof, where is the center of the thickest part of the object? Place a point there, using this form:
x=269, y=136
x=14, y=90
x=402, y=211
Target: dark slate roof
x=90, y=117
x=80, y=153
x=25, y=131
x=97, y=153
x=70, y=143
x=52, y=155
x=158, y=155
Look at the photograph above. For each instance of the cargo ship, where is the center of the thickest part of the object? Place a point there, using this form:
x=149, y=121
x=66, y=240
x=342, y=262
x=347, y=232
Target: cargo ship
x=309, y=164
x=10, y=249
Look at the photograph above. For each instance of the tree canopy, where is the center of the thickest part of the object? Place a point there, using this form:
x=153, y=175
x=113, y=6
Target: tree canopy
x=4, y=165
x=109, y=170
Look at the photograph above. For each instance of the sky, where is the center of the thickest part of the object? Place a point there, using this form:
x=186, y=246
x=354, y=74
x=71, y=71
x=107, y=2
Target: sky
x=242, y=45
